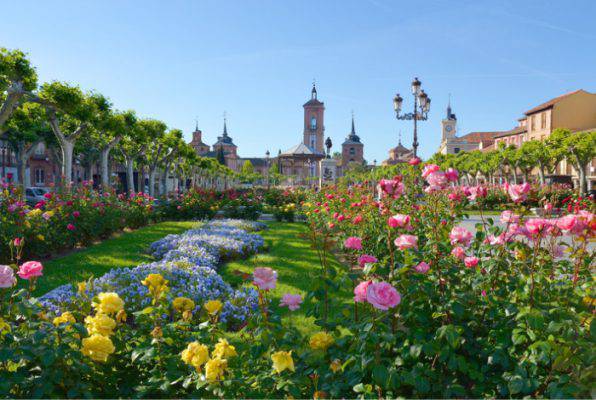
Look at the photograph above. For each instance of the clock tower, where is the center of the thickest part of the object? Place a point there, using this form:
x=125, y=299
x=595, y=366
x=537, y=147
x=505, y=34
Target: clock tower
x=314, y=128
x=449, y=124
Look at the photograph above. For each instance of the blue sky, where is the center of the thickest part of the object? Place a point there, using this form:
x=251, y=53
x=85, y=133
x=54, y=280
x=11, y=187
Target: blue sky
x=177, y=60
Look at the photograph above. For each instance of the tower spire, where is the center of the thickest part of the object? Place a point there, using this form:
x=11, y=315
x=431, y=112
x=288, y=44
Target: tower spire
x=399, y=138
x=225, y=130
x=353, y=129
x=313, y=92
x=449, y=107
x=196, y=124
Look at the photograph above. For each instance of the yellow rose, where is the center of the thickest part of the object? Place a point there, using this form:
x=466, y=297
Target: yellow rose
x=156, y=284
x=223, y=350
x=98, y=347
x=213, y=306
x=335, y=365
x=157, y=332
x=81, y=287
x=41, y=238
x=121, y=316
x=109, y=303
x=214, y=369
x=36, y=212
x=195, y=354
x=154, y=280
x=282, y=360
x=100, y=324
x=321, y=341
x=65, y=318
x=182, y=304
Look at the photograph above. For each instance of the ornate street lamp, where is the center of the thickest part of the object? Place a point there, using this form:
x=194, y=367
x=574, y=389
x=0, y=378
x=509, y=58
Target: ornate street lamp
x=421, y=109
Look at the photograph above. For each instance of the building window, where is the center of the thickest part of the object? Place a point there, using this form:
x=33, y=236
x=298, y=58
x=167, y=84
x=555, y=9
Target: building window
x=40, y=176
x=352, y=151
x=533, y=123
x=313, y=123
x=313, y=141
x=313, y=169
x=456, y=150
x=543, y=120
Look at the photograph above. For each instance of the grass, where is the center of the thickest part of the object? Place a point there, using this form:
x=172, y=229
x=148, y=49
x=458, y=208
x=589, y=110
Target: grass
x=297, y=266
x=126, y=250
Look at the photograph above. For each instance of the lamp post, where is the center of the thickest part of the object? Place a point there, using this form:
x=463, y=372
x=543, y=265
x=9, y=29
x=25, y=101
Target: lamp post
x=421, y=108
x=267, y=154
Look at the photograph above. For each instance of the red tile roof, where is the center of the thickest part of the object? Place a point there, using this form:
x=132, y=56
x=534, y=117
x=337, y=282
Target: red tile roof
x=551, y=102
x=477, y=137
x=515, y=131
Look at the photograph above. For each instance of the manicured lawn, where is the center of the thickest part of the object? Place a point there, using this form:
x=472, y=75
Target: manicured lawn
x=297, y=267
x=126, y=250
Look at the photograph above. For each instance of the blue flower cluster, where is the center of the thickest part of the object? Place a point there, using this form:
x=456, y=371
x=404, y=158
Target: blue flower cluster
x=213, y=242
x=188, y=262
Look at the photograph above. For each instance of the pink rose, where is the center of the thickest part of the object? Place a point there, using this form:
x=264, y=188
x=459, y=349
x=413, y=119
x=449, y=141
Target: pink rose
x=292, y=301
x=76, y=214
x=7, y=278
x=429, y=169
x=460, y=235
x=414, y=161
x=30, y=269
x=422, y=267
x=536, y=225
x=382, y=295
x=357, y=219
x=354, y=243
x=399, y=221
x=360, y=291
x=471, y=261
x=366, y=259
x=475, y=192
x=451, y=175
x=508, y=217
x=458, y=252
x=437, y=179
x=264, y=278
x=518, y=193
x=391, y=187
x=567, y=223
x=406, y=242
x=70, y=227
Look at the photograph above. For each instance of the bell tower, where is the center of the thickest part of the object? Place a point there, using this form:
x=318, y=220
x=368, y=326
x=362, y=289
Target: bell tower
x=449, y=124
x=314, y=128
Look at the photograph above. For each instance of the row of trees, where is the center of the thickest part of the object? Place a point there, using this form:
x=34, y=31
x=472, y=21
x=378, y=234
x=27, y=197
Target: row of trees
x=532, y=158
x=84, y=124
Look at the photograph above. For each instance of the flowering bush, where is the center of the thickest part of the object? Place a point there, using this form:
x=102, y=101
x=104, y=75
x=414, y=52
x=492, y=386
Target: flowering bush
x=64, y=220
x=442, y=311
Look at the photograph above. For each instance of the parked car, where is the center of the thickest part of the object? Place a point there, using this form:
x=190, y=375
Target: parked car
x=34, y=195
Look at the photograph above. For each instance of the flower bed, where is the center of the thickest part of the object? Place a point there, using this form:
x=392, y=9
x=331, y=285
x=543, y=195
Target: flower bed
x=64, y=220
x=188, y=262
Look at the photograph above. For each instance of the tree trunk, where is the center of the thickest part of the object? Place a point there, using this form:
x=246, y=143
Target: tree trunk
x=130, y=181
x=67, y=150
x=105, y=157
x=141, y=178
x=541, y=174
x=152, y=181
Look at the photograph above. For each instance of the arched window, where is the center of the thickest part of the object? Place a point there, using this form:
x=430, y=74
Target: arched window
x=352, y=151
x=313, y=141
x=313, y=123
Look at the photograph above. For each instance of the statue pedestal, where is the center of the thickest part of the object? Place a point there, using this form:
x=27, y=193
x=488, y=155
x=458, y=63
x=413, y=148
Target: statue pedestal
x=328, y=168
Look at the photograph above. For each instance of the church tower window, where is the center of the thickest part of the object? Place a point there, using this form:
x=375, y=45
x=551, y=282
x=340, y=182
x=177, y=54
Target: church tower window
x=313, y=123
